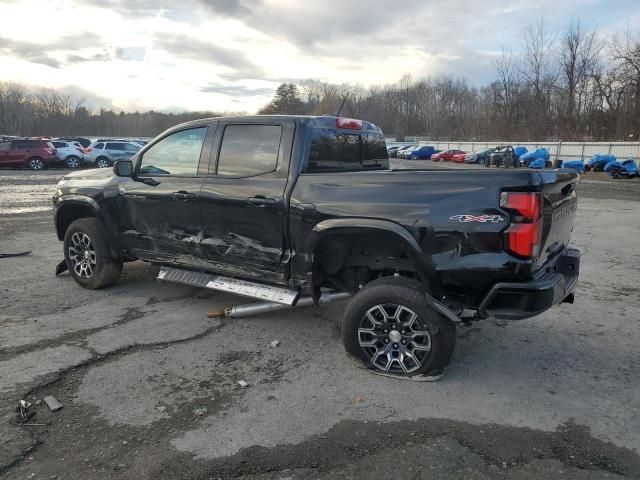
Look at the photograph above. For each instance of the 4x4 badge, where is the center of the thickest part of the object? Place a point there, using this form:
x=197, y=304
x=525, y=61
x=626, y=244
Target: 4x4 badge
x=477, y=218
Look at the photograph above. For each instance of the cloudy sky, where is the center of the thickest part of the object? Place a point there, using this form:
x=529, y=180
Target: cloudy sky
x=229, y=55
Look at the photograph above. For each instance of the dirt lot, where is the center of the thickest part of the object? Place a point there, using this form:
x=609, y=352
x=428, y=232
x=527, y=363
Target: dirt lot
x=150, y=385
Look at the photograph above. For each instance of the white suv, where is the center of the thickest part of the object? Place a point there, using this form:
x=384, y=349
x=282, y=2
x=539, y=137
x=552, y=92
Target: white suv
x=71, y=152
x=104, y=154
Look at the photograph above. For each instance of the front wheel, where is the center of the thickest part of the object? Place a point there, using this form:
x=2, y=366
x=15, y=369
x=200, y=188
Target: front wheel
x=103, y=162
x=88, y=256
x=390, y=327
x=73, y=162
x=36, y=163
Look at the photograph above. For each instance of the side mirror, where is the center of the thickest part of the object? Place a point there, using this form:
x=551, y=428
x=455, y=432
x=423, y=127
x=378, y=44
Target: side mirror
x=123, y=168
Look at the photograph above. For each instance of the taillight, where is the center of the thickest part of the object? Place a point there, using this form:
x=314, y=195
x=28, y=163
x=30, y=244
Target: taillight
x=524, y=235
x=350, y=123
x=88, y=149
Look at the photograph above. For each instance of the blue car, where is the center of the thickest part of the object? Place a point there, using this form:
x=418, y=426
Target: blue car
x=423, y=153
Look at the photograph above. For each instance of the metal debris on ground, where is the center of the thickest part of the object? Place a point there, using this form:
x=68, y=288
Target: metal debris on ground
x=274, y=344
x=22, y=411
x=53, y=404
x=19, y=254
x=200, y=411
x=242, y=383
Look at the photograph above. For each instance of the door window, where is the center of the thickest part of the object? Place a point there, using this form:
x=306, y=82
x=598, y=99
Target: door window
x=249, y=150
x=98, y=146
x=175, y=154
x=5, y=146
x=59, y=144
x=130, y=148
x=115, y=146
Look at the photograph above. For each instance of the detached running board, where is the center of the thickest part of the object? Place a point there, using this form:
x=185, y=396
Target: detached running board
x=230, y=285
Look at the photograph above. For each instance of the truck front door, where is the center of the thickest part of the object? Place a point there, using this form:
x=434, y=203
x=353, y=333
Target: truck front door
x=244, y=209
x=163, y=221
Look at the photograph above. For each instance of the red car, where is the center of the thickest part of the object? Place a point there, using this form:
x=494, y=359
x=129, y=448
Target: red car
x=35, y=154
x=458, y=157
x=445, y=156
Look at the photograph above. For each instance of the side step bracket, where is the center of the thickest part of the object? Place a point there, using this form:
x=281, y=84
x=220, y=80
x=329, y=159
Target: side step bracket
x=230, y=285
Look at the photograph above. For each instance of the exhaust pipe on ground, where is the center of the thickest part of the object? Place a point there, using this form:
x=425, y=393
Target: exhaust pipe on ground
x=265, y=307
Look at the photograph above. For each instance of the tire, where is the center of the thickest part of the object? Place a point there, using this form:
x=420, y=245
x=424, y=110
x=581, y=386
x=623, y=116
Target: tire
x=425, y=347
x=88, y=257
x=103, y=162
x=73, y=162
x=36, y=163
x=487, y=162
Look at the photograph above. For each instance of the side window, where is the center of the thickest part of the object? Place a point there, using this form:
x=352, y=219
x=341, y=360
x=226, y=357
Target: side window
x=19, y=145
x=98, y=146
x=249, y=150
x=115, y=146
x=130, y=148
x=59, y=144
x=175, y=154
x=5, y=146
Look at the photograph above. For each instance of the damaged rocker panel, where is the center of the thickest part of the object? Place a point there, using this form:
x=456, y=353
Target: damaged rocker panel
x=230, y=285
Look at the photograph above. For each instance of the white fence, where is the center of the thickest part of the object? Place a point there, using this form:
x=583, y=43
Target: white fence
x=557, y=150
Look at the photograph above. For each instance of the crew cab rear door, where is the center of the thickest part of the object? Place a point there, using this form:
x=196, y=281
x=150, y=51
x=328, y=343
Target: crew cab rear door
x=244, y=209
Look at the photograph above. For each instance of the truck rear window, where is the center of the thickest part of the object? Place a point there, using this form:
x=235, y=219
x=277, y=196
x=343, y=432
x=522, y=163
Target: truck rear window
x=346, y=152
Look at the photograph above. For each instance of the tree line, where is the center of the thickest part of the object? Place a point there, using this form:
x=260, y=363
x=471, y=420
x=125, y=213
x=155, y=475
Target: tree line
x=568, y=85
x=24, y=112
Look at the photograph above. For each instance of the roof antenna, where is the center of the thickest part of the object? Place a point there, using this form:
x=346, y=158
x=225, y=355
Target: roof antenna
x=344, y=99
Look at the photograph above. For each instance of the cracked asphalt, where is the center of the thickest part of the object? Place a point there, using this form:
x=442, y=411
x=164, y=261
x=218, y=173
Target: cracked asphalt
x=150, y=385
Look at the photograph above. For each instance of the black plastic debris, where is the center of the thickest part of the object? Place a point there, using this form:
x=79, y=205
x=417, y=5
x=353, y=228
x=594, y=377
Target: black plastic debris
x=18, y=254
x=61, y=267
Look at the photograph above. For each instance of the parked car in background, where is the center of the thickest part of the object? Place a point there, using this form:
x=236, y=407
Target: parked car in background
x=445, y=156
x=422, y=152
x=406, y=153
x=34, y=154
x=458, y=158
x=104, y=154
x=70, y=152
x=393, y=149
x=398, y=152
x=84, y=142
x=503, y=156
x=479, y=156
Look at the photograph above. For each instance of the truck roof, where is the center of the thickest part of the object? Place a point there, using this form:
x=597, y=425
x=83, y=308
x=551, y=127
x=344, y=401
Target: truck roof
x=320, y=121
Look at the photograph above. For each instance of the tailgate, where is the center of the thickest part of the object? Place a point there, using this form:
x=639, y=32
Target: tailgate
x=559, y=211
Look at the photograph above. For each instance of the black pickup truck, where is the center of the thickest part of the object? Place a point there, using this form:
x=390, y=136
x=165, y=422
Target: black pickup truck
x=295, y=209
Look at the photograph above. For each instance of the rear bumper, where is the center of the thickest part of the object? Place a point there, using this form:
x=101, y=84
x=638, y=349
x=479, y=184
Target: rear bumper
x=519, y=300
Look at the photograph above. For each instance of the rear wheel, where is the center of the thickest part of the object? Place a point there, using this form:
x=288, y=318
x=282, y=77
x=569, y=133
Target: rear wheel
x=103, y=162
x=88, y=256
x=36, y=163
x=73, y=162
x=390, y=327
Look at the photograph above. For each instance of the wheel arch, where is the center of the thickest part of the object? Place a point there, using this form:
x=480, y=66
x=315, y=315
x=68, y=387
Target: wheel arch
x=71, y=209
x=391, y=231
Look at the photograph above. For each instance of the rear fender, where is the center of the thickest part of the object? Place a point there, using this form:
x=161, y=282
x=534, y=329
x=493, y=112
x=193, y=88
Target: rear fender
x=424, y=266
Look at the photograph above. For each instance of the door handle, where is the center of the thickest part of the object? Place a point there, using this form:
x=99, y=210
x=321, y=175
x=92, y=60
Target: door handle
x=183, y=196
x=261, y=201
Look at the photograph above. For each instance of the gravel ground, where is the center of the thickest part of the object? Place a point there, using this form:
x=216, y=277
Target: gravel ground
x=150, y=385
